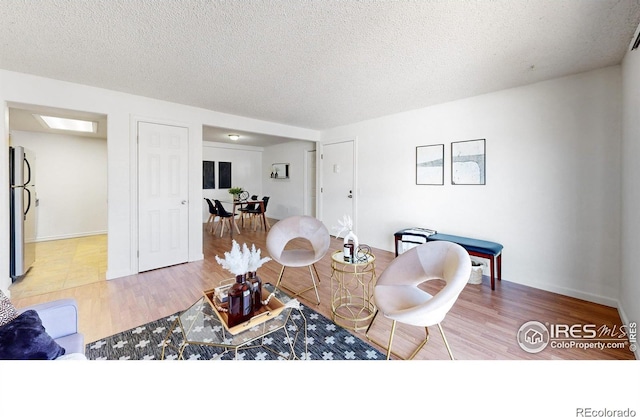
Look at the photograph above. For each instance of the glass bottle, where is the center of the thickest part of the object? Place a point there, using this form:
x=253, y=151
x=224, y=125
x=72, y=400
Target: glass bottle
x=256, y=289
x=240, y=302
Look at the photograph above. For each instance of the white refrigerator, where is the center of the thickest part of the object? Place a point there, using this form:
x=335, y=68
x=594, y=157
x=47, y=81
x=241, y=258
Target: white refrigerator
x=23, y=202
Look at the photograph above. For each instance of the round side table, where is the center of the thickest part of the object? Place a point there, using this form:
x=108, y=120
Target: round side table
x=352, y=286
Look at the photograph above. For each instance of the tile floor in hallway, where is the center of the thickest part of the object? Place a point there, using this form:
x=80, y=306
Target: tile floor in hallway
x=62, y=264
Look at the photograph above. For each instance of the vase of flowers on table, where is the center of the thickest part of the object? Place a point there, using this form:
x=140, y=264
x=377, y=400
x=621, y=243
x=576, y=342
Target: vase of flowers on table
x=350, y=241
x=235, y=192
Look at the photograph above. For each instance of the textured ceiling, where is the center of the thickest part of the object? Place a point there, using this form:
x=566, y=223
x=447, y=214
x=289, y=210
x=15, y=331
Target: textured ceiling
x=314, y=64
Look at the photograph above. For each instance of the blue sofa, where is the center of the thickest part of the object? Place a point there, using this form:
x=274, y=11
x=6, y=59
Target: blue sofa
x=60, y=320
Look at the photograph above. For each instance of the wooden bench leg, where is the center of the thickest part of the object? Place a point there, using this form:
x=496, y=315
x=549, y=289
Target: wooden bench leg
x=491, y=265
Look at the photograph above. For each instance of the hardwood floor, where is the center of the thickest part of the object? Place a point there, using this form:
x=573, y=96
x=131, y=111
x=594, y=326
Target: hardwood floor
x=483, y=324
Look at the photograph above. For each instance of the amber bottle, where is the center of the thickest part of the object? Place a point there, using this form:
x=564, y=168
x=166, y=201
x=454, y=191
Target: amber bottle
x=240, y=301
x=256, y=290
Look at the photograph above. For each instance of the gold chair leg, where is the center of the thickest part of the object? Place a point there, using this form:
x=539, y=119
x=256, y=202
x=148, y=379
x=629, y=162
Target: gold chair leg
x=421, y=345
x=445, y=342
x=315, y=287
x=393, y=330
x=316, y=271
x=300, y=293
x=280, y=277
x=388, y=346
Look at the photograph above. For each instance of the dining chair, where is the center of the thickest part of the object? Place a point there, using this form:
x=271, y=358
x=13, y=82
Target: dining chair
x=398, y=296
x=213, y=214
x=259, y=211
x=244, y=210
x=225, y=217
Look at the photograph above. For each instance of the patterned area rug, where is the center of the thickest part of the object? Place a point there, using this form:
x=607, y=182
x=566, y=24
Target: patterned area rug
x=325, y=341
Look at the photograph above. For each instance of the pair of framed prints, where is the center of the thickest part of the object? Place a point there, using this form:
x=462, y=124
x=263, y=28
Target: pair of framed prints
x=468, y=163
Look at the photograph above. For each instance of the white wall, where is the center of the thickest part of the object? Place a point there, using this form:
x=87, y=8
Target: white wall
x=630, y=283
x=71, y=183
x=246, y=171
x=552, y=196
x=122, y=111
x=286, y=195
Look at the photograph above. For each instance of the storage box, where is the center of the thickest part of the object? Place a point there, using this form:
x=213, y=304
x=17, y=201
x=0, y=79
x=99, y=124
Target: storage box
x=222, y=293
x=265, y=313
x=476, y=273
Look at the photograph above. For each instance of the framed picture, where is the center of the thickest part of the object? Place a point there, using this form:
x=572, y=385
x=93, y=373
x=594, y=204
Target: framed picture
x=224, y=175
x=208, y=175
x=430, y=165
x=468, y=162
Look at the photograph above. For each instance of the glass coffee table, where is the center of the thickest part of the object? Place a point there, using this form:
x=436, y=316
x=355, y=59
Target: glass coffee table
x=201, y=325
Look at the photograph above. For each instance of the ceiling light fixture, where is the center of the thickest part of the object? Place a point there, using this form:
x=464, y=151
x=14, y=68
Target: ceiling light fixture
x=61, y=123
x=234, y=137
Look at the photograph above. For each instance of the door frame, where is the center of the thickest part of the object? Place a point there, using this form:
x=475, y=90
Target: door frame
x=306, y=206
x=320, y=163
x=133, y=147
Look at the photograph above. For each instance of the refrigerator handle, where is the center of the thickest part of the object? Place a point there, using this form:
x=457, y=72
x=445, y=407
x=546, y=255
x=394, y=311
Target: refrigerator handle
x=28, y=200
x=29, y=174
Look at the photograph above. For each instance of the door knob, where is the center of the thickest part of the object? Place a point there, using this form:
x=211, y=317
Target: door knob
x=183, y=202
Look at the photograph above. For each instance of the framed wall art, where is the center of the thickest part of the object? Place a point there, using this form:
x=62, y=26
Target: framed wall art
x=224, y=175
x=468, y=162
x=208, y=175
x=430, y=165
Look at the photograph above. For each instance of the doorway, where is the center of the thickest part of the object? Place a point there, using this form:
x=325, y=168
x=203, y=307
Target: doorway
x=71, y=199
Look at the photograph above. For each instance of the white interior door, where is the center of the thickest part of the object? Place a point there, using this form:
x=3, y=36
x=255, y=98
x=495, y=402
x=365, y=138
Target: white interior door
x=163, y=215
x=337, y=192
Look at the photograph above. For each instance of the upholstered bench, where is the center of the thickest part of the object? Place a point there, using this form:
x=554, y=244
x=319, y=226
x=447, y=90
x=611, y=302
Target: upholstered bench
x=480, y=248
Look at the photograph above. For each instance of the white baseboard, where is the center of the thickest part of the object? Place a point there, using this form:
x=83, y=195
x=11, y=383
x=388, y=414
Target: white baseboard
x=569, y=292
x=70, y=236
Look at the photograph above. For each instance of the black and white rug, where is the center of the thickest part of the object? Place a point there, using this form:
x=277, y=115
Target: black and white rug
x=325, y=341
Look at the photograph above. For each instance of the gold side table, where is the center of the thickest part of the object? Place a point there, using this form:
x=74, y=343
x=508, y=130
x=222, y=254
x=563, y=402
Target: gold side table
x=352, y=285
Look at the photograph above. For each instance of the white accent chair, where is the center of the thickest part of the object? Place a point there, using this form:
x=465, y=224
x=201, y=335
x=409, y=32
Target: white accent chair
x=398, y=297
x=298, y=227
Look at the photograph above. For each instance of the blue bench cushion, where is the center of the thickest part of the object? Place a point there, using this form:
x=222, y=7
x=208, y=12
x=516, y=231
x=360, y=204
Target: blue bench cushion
x=474, y=245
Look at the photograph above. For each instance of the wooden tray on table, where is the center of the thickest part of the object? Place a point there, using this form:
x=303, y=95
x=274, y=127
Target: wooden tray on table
x=265, y=313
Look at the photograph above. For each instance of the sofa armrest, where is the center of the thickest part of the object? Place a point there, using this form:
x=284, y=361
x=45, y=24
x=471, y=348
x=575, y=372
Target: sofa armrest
x=59, y=318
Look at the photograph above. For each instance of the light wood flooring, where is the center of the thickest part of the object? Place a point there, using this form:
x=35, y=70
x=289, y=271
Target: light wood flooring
x=483, y=324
